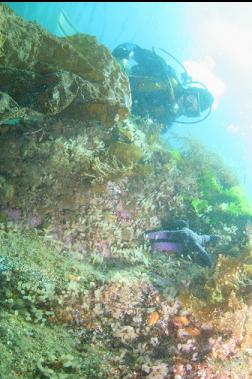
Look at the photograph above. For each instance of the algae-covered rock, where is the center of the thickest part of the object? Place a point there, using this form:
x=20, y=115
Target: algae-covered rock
x=41, y=74
x=126, y=153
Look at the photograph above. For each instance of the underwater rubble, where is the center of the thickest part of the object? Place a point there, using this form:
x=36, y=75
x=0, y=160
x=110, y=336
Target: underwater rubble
x=82, y=295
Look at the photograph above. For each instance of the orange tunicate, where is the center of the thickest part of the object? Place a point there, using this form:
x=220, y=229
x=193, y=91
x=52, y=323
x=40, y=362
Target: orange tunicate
x=193, y=331
x=183, y=320
x=153, y=318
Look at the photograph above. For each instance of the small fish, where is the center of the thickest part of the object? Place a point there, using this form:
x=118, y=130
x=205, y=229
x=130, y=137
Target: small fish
x=153, y=318
x=73, y=278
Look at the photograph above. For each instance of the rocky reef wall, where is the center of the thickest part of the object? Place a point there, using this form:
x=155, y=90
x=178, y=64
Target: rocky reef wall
x=43, y=75
x=81, y=293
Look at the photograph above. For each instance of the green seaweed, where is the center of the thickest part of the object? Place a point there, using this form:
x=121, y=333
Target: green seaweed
x=7, y=191
x=200, y=206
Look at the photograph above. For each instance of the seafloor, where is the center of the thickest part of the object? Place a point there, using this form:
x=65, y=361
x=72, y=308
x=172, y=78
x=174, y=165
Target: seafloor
x=81, y=181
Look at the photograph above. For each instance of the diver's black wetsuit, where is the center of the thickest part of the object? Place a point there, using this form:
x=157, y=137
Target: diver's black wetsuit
x=148, y=62
x=154, y=84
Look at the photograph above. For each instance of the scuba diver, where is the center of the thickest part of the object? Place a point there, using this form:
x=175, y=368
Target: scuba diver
x=157, y=93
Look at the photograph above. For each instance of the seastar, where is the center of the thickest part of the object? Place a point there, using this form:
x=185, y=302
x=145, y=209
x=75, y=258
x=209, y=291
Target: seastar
x=182, y=240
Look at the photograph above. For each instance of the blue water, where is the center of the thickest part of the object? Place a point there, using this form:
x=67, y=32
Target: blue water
x=174, y=27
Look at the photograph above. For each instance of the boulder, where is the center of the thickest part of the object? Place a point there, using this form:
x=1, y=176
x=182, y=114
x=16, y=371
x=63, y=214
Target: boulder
x=45, y=75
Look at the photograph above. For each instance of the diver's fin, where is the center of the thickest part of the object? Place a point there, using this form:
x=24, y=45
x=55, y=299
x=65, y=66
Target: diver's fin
x=65, y=25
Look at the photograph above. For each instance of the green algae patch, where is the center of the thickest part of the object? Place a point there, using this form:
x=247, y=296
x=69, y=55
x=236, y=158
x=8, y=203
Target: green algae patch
x=36, y=277
x=7, y=191
x=28, y=252
x=24, y=346
x=31, y=351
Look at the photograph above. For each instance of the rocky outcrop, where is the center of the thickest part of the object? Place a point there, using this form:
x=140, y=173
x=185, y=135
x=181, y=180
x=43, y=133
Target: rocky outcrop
x=44, y=75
